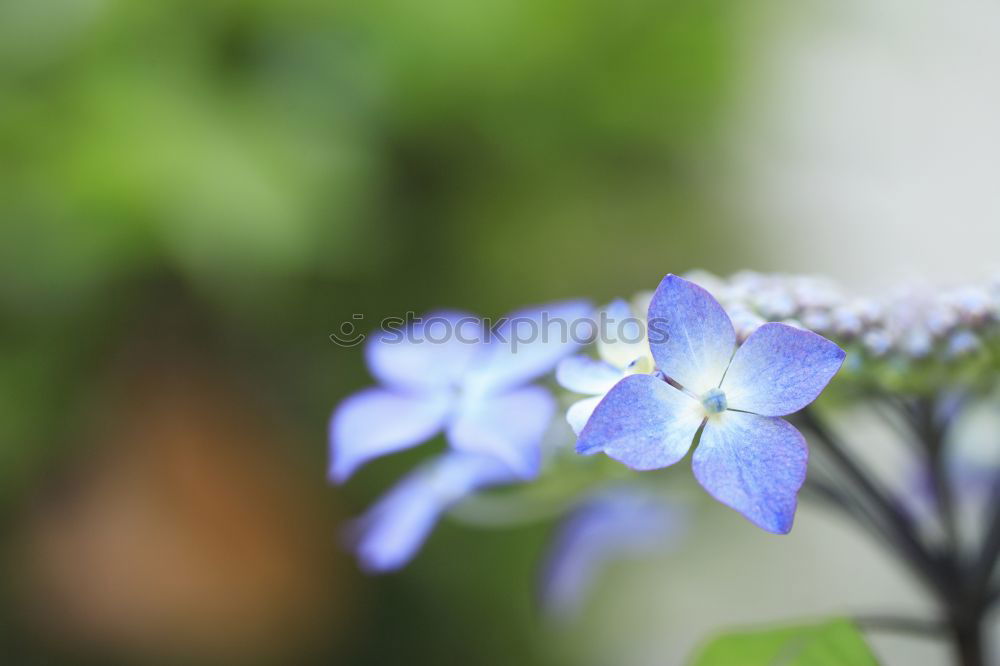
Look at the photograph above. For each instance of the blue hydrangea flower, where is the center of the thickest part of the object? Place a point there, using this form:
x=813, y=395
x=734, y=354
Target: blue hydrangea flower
x=747, y=457
x=447, y=372
x=396, y=526
x=612, y=524
x=622, y=350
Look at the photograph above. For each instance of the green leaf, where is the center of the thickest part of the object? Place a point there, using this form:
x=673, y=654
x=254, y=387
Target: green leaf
x=833, y=643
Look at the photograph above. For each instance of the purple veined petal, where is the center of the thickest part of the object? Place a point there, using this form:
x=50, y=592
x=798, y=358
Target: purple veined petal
x=394, y=529
x=586, y=375
x=754, y=464
x=643, y=422
x=508, y=427
x=580, y=412
x=617, y=523
x=780, y=370
x=529, y=343
x=375, y=422
x=690, y=334
x=434, y=352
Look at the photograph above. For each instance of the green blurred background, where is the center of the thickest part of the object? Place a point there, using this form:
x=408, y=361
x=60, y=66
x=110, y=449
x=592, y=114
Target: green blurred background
x=194, y=195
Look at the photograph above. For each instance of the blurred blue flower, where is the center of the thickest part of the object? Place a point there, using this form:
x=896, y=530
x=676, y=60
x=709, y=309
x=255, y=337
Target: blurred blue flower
x=395, y=527
x=747, y=458
x=613, y=524
x=622, y=350
x=970, y=462
x=447, y=371
x=971, y=483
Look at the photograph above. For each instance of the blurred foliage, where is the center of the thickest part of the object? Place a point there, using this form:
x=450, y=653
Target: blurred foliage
x=832, y=643
x=242, y=176
x=231, y=140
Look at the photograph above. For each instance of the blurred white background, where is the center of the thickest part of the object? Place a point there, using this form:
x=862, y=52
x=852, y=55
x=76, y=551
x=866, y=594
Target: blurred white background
x=868, y=141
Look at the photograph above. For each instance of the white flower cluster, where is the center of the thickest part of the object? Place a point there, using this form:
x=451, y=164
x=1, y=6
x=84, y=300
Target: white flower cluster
x=914, y=322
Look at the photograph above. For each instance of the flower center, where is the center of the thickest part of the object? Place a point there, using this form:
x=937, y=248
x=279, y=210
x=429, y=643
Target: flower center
x=714, y=401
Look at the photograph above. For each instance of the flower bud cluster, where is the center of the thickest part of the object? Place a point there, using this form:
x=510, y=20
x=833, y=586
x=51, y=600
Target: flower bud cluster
x=911, y=323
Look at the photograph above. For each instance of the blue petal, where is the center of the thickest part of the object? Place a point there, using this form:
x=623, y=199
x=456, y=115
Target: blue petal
x=580, y=412
x=586, y=375
x=690, y=335
x=375, y=422
x=433, y=352
x=614, y=524
x=394, y=529
x=754, y=464
x=642, y=422
x=529, y=343
x=780, y=370
x=508, y=427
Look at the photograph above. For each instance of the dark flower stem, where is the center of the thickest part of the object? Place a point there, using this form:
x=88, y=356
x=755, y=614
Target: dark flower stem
x=961, y=585
x=931, y=435
x=968, y=638
x=912, y=626
x=990, y=551
x=896, y=522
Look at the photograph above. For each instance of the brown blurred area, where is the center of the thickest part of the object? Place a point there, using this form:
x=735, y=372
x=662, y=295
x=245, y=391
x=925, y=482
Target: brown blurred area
x=183, y=529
